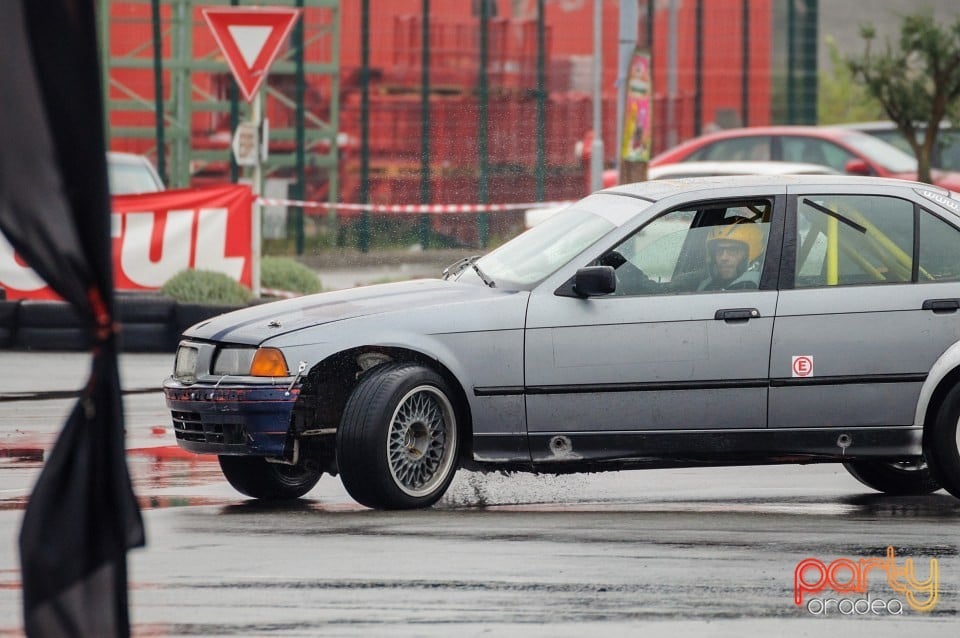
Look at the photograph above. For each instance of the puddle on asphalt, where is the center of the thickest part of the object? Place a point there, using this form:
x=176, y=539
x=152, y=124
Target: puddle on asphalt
x=19, y=470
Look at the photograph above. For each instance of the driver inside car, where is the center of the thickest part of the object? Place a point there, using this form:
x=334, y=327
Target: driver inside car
x=733, y=253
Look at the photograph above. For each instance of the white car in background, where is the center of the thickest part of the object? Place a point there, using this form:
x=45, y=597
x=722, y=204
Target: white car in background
x=681, y=170
x=131, y=174
x=717, y=169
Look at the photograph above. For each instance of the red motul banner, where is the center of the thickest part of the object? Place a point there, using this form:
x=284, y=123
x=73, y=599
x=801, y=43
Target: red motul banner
x=157, y=235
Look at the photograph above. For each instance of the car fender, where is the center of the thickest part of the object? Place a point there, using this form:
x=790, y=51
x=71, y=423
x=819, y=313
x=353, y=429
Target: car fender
x=943, y=366
x=478, y=354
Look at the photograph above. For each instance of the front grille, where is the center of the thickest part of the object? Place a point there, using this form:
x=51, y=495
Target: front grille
x=189, y=426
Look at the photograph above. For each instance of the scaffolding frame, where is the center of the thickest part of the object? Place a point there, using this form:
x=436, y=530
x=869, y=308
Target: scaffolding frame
x=314, y=139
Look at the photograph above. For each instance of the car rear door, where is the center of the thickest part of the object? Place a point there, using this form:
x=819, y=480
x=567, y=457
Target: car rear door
x=869, y=300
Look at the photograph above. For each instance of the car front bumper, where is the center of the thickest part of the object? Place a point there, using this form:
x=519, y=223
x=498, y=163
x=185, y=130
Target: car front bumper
x=235, y=420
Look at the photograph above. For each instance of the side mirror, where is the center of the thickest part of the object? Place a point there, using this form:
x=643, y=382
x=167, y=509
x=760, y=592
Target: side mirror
x=594, y=281
x=856, y=167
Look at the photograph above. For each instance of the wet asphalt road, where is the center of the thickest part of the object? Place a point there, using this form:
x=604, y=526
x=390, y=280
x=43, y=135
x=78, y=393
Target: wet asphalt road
x=661, y=552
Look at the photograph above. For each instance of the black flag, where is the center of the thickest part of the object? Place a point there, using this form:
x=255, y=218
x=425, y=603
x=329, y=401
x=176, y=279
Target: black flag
x=55, y=210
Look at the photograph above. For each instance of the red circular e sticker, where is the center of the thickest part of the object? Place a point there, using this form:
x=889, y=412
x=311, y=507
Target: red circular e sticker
x=803, y=366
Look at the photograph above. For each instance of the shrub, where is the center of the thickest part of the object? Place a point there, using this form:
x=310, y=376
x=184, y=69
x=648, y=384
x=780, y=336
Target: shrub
x=283, y=273
x=204, y=286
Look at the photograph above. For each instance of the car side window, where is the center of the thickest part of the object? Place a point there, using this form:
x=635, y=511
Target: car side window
x=845, y=240
x=749, y=148
x=814, y=151
x=939, y=249
x=713, y=247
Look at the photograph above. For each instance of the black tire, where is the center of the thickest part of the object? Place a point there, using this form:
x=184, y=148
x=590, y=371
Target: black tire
x=8, y=322
x=398, y=441
x=256, y=477
x=70, y=339
x=911, y=478
x=48, y=314
x=51, y=325
x=941, y=443
x=146, y=337
x=135, y=308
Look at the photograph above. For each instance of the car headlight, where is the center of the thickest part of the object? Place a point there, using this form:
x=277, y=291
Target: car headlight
x=233, y=361
x=255, y=362
x=185, y=365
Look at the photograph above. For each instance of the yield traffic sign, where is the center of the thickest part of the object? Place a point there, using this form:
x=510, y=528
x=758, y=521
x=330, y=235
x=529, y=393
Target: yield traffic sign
x=250, y=38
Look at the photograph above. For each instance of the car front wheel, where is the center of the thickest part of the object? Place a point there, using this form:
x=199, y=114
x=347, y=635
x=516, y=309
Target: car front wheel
x=941, y=443
x=397, y=443
x=898, y=478
x=255, y=476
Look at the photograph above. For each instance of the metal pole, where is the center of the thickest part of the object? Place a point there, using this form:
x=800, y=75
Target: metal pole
x=541, y=102
x=791, y=62
x=103, y=37
x=483, y=227
x=181, y=103
x=698, y=71
x=425, y=123
x=672, y=137
x=809, y=44
x=299, y=191
x=626, y=46
x=651, y=15
x=158, y=90
x=233, y=95
x=363, y=238
x=596, y=148
x=745, y=68
x=255, y=230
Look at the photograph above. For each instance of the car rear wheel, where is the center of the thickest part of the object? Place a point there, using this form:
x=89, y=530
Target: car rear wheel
x=899, y=478
x=397, y=443
x=255, y=476
x=941, y=443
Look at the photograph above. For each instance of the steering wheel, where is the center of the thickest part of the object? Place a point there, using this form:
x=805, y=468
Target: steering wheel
x=630, y=278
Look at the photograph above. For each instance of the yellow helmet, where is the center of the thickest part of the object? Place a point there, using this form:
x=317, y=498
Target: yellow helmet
x=746, y=233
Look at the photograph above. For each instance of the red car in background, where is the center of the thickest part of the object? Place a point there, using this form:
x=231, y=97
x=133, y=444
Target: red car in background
x=846, y=151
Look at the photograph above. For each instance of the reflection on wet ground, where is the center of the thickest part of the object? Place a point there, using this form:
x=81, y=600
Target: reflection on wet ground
x=933, y=505
x=510, y=554
x=158, y=474
x=165, y=476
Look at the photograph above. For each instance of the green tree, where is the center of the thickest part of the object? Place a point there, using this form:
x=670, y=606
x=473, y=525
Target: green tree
x=917, y=82
x=839, y=98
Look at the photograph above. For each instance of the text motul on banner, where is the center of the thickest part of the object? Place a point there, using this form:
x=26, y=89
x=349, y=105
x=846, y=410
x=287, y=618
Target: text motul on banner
x=157, y=235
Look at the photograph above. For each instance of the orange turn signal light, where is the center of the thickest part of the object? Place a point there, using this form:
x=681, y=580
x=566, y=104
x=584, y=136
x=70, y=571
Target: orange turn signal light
x=269, y=362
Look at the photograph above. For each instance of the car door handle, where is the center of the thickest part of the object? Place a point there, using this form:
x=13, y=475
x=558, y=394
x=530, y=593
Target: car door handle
x=736, y=314
x=942, y=306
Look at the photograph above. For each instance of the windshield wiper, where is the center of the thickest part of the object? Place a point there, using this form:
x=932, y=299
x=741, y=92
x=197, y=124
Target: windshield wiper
x=458, y=266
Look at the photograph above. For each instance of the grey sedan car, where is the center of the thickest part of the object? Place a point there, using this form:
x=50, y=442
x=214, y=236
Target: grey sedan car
x=711, y=321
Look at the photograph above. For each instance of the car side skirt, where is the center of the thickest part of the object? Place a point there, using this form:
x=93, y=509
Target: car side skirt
x=562, y=452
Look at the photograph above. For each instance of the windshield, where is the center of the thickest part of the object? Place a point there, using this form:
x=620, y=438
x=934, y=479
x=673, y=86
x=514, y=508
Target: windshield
x=534, y=255
x=879, y=152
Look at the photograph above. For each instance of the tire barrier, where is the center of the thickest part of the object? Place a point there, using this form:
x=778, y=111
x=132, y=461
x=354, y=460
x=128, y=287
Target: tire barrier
x=8, y=322
x=50, y=325
x=148, y=323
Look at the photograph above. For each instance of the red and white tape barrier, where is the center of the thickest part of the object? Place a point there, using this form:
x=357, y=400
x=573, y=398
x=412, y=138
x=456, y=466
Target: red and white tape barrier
x=411, y=208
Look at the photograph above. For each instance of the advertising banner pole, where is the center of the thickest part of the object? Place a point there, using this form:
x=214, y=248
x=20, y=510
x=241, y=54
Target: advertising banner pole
x=255, y=219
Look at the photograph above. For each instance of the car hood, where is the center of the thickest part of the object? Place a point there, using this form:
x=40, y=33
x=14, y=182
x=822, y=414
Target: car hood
x=255, y=324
